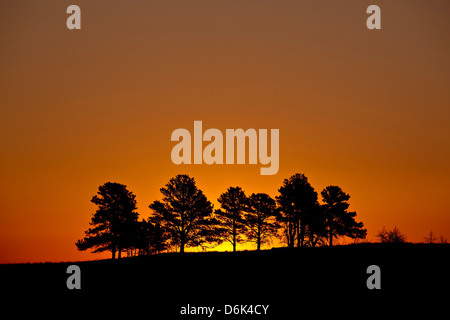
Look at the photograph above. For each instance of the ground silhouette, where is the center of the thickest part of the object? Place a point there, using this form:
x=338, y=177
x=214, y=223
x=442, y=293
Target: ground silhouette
x=321, y=281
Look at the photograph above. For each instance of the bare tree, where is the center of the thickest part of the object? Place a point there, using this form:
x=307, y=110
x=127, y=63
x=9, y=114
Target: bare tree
x=391, y=236
x=430, y=237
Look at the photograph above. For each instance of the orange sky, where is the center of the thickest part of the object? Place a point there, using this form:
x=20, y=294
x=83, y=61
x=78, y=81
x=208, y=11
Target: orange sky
x=366, y=110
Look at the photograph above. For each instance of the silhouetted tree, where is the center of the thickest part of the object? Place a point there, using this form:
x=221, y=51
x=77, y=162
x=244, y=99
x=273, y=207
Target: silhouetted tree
x=316, y=226
x=296, y=200
x=260, y=219
x=391, y=236
x=113, y=222
x=234, y=202
x=430, y=238
x=339, y=221
x=151, y=238
x=185, y=214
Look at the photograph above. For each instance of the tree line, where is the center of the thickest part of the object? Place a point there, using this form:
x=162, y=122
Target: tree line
x=184, y=217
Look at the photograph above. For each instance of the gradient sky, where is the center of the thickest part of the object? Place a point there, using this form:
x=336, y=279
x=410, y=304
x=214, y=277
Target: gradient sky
x=366, y=110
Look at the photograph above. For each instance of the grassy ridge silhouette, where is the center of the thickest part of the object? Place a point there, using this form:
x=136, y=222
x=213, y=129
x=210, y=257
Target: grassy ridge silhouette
x=320, y=280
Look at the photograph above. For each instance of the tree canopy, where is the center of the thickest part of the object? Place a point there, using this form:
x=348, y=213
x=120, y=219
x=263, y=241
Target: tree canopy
x=260, y=219
x=114, y=221
x=339, y=221
x=234, y=203
x=184, y=218
x=185, y=214
x=297, y=200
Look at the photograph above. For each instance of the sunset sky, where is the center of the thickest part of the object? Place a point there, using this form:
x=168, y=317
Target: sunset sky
x=367, y=110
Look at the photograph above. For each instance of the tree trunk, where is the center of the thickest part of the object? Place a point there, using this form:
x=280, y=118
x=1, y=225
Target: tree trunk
x=331, y=237
x=113, y=251
x=258, y=240
x=182, y=242
x=302, y=235
x=291, y=234
x=313, y=241
x=234, y=236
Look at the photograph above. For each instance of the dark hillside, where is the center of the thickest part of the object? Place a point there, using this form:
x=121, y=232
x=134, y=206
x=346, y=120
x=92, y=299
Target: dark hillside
x=292, y=281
